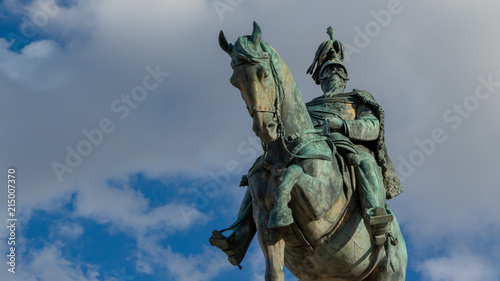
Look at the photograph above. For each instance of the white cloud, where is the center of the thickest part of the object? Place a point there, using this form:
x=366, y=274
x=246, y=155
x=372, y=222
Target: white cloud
x=40, y=49
x=205, y=265
x=255, y=258
x=201, y=267
x=27, y=67
x=129, y=211
x=48, y=264
x=195, y=121
x=67, y=230
x=460, y=268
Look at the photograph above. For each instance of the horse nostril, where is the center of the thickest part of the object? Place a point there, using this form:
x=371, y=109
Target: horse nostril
x=271, y=126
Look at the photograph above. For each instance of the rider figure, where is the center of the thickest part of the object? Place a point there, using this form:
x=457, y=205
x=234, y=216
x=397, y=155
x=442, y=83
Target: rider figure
x=359, y=118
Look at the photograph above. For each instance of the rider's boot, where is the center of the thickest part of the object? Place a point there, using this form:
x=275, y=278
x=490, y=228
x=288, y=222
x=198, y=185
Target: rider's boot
x=236, y=244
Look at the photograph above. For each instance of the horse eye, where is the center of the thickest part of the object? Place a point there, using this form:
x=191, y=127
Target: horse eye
x=263, y=73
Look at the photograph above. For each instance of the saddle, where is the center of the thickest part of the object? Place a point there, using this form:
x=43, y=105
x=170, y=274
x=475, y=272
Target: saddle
x=347, y=158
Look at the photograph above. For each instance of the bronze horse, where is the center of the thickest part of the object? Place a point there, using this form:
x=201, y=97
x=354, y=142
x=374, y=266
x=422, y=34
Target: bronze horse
x=306, y=219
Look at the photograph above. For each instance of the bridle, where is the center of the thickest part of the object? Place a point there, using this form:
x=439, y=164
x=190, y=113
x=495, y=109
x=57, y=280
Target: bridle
x=276, y=110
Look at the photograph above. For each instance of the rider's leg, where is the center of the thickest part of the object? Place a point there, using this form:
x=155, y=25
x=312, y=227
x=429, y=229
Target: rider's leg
x=236, y=245
x=372, y=195
x=369, y=180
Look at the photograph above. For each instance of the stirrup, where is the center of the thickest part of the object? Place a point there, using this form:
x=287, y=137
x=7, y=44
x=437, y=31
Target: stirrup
x=379, y=215
x=379, y=220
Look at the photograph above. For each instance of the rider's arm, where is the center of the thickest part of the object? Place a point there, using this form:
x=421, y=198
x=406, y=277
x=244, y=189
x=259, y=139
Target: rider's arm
x=365, y=127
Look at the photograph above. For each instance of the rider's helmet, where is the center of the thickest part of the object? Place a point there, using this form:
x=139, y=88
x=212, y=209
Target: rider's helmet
x=329, y=54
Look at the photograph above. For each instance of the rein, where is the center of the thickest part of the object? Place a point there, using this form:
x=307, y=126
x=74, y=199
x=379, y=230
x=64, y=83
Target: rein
x=286, y=141
x=295, y=136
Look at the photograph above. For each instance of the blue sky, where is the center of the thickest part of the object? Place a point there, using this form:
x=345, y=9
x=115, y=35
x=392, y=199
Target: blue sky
x=114, y=189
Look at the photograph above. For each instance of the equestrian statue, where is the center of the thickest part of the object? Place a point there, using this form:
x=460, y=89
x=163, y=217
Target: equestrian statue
x=316, y=198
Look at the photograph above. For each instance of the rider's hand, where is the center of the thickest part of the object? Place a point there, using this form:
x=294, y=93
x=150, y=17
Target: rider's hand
x=335, y=124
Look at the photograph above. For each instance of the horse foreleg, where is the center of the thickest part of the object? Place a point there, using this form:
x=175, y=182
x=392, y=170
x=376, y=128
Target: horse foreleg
x=281, y=214
x=271, y=243
x=316, y=194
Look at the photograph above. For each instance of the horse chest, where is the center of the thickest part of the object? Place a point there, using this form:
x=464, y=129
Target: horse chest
x=269, y=195
x=263, y=186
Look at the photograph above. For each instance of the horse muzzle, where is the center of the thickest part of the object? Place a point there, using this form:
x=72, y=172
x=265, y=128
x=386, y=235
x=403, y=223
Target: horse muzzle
x=265, y=126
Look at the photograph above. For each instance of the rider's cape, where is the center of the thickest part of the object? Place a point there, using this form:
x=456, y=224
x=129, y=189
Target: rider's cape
x=392, y=182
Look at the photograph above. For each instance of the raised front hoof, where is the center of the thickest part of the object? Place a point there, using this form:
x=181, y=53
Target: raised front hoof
x=280, y=218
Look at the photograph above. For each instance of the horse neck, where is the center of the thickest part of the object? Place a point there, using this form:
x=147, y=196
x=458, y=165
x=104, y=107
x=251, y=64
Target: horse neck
x=294, y=115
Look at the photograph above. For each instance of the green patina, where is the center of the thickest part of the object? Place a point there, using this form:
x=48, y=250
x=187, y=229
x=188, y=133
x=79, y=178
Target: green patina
x=316, y=197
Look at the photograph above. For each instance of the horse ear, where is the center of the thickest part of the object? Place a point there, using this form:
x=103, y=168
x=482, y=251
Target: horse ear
x=256, y=34
x=224, y=44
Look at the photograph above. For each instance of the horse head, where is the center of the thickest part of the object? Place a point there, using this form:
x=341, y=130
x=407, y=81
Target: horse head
x=254, y=75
